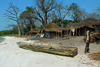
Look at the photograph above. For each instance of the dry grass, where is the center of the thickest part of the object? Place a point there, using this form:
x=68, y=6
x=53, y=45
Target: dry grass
x=94, y=56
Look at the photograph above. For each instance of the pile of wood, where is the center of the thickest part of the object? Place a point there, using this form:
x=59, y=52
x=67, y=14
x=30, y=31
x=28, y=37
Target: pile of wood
x=65, y=51
x=94, y=56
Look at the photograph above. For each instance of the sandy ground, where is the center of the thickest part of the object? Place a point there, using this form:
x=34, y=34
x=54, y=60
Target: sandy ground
x=76, y=41
x=13, y=56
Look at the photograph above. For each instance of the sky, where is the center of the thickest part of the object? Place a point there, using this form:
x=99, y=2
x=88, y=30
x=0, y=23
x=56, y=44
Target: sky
x=88, y=5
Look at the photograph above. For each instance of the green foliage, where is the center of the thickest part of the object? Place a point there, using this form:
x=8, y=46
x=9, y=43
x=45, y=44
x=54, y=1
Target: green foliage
x=75, y=12
x=8, y=32
x=65, y=22
x=30, y=9
x=41, y=27
x=57, y=21
x=27, y=12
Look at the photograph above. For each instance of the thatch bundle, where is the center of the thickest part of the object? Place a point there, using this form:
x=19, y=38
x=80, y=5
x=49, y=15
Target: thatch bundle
x=35, y=30
x=94, y=56
x=53, y=27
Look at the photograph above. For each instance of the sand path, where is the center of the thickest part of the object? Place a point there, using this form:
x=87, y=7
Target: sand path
x=13, y=56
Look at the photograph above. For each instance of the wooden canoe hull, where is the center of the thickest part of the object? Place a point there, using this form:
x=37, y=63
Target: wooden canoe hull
x=65, y=51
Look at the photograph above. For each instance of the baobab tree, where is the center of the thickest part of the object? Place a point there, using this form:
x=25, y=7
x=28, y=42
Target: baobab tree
x=12, y=14
x=42, y=9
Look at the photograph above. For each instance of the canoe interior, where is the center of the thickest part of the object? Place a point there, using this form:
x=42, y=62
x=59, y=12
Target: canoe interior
x=58, y=50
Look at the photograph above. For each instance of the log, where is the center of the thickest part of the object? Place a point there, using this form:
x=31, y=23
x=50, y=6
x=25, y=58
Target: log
x=65, y=51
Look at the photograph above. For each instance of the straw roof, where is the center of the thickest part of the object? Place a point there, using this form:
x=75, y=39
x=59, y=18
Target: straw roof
x=97, y=23
x=53, y=27
x=35, y=30
x=87, y=23
x=71, y=25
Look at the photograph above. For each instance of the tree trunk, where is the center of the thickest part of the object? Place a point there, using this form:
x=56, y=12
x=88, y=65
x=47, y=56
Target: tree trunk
x=45, y=19
x=19, y=31
x=62, y=25
x=44, y=25
x=31, y=25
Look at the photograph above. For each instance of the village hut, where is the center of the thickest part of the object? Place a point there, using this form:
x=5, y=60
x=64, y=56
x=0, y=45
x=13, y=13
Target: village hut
x=82, y=27
x=34, y=31
x=53, y=30
x=69, y=27
x=97, y=25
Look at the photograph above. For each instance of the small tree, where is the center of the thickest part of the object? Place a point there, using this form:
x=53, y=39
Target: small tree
x=75, y=12
x=27, y=15
x=62, y=11
x=12, y=14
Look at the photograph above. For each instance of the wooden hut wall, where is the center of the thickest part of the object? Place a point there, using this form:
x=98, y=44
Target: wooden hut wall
x=82, y=31
x=55, y=34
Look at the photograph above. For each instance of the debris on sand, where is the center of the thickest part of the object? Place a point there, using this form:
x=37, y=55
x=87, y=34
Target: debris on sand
x=94, y=56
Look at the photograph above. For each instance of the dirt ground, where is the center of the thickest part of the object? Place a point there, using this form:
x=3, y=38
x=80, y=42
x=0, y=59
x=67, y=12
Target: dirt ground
x=70, y=41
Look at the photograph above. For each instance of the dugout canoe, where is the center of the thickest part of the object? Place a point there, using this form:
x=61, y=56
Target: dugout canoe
x=58, y=50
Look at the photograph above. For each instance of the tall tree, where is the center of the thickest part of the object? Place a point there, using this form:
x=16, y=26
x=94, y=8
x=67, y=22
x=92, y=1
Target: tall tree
x=27, y=15
x=12, y=14
x=62, y=11
x=98, y=9
x=75, y=12
x=42, y=9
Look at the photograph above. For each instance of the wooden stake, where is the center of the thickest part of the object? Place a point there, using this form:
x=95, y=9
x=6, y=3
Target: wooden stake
x=67, y=32
x=79, y=31
x=56, y=34
x=76, y=32
x=85, y=30
x=61, y=35
x=70, y=32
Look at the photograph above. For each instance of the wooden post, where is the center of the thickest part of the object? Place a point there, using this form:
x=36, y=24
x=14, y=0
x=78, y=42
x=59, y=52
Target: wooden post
x=61, y=34
x=67, y=32
x=30, y=34
x=56, y=34
x=64, y=33
x=52, y=33
x=70, y=32
x=85, y=30
x=76, y=32
x=79, y=31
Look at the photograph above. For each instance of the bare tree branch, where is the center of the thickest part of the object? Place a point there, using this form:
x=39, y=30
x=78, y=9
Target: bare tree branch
x=12, y=14
x=44, y=6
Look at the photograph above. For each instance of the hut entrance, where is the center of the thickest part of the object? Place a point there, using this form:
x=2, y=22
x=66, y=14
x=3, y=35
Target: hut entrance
x=47, y=35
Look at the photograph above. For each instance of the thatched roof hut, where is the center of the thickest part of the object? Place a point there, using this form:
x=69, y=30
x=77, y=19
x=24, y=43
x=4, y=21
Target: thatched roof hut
x=35, y=30
x=97, y=23
x=53, y=27
x=86, y=24
x=53, y=30
x=71, y=25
